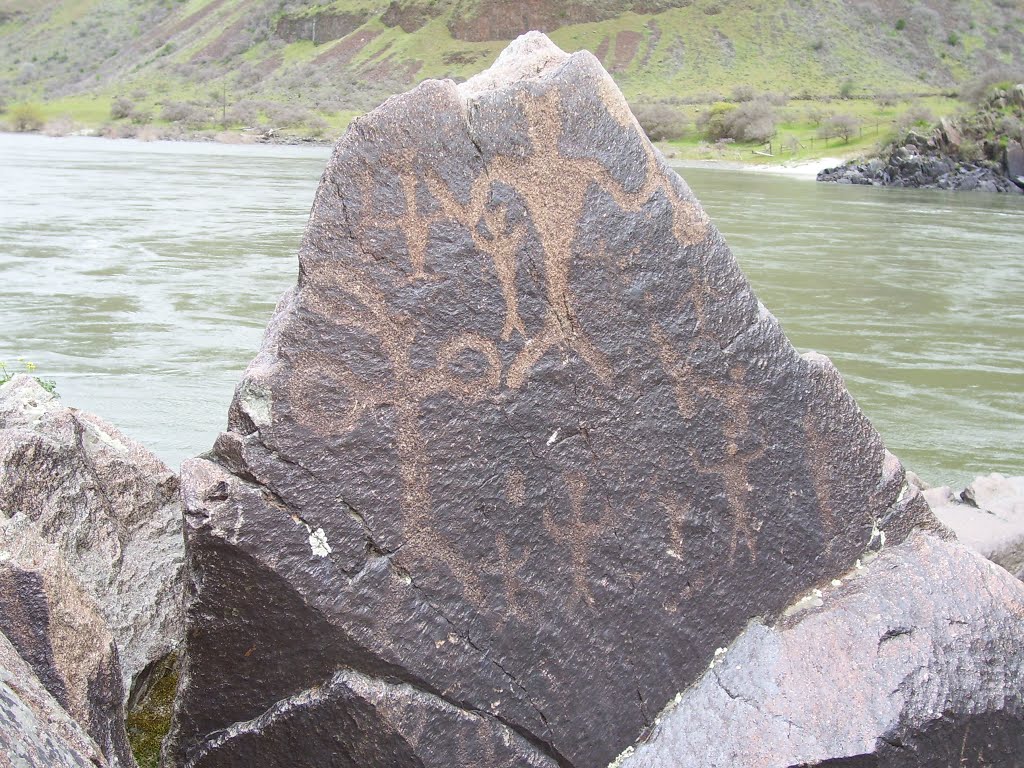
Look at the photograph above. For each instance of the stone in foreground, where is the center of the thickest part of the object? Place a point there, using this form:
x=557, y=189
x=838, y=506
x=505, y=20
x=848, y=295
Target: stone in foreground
x=35, y=730
x=108, y=504
x=987, y=516
x=913, y=660
x=56, y=627
x=519, y=452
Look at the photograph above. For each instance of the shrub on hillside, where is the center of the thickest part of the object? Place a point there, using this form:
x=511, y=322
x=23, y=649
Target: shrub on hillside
x=917, y=116
x=26, y=118
x=317, y=126
x=189, y=115
x=286, y=115
x=121, y=108
x=979, y=89
x=244, y=113
x=751, y=121
x=743, y=93
x=712, y=122
x=660, y=121
x=841, y=126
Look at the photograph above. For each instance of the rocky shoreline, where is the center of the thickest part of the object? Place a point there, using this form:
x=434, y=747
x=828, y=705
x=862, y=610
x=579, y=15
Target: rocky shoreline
x=980, y=152
x=922, y=167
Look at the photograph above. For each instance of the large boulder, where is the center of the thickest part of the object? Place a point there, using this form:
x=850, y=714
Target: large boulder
x=987, y=515
x=56, y=627
x=110, y=507
x=912, y=660
x=35, y=730
x=519, y=453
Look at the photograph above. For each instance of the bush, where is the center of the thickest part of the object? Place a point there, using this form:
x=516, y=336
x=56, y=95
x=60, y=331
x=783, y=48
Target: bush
x=244, y=113
x=317, y=126
x=189, y=115
x=953, y=39
x=979, y=89
x=846, y=89
x=121, y=108
x=842, y=126
x=26, y=117
x=901, y=24
x=141, y=115
x=917, y=116
x=751, y=121
x=660, y=121
x=712, y=122
x=743, y=93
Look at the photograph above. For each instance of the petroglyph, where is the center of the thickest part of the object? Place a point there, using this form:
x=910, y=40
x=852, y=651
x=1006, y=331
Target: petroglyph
x=579, y=532
x=581, y=459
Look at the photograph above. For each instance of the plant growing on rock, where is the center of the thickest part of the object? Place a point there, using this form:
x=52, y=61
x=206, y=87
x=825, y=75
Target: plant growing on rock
x=6, y=375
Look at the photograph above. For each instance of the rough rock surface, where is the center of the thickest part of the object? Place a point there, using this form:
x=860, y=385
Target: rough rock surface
x=914, y=660
x=934, y=162
x=108, y=504
x=988, y=516
x=35, y=730
x=521, y=447
x=54, y=624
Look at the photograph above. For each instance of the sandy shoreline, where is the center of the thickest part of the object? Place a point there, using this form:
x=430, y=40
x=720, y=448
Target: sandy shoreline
x=808, y=169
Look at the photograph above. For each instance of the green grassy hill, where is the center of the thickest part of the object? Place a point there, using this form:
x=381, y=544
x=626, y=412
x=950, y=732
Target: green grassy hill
x=286, y=63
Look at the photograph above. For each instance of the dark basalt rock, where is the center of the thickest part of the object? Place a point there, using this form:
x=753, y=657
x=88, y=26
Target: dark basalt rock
x=912, y=660
x=930, y=163
x=519, y=452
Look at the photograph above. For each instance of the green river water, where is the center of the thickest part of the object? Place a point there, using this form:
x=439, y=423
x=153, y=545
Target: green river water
x=140, y=277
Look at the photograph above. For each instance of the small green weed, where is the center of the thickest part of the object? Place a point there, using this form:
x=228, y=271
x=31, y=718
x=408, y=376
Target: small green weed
x=6, y=375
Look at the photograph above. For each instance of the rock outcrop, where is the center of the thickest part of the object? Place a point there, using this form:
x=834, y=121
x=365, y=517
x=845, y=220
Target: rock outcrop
x=56, y=627
x=107, y=504
x=518, y=454
x=988, y=516
x=955, y=155
x=912, y=660
x=35, y=730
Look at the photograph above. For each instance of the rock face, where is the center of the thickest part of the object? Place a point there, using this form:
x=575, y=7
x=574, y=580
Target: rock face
x=988, y=516
x=35, y=730
x=107, y=504
x=55, y=626
x=519, y=452
x=913, y=660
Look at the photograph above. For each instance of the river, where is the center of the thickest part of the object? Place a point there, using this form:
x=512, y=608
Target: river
x=140, y=277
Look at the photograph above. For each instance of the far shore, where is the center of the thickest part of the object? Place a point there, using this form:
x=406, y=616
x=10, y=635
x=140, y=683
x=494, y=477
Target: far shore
x=808, y=168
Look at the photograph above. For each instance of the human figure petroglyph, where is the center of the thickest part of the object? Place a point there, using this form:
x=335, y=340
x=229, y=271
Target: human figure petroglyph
x=578, y=533
x=553, y=190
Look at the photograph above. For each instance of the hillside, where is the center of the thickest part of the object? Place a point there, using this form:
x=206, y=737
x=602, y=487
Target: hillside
x=282, y=61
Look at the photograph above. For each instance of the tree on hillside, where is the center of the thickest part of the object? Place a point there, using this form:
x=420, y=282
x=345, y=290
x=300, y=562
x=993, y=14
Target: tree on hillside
x=841, y=126
x=751, y=121
x=660, y=121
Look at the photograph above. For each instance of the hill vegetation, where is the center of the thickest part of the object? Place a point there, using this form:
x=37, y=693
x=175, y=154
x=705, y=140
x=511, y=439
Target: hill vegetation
x=309, y=67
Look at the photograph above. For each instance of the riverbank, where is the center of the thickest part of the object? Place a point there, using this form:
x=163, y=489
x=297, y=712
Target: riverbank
x=980, y=151
x=802, y=169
